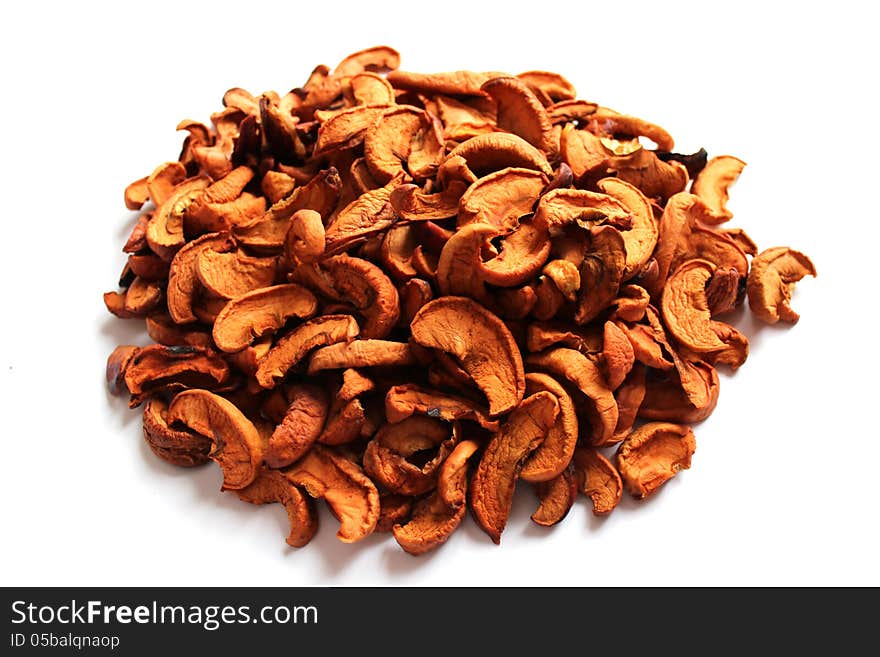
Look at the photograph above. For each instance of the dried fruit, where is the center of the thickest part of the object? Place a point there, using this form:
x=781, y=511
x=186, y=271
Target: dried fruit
x=484, y=154
x=350, y=494
x=156, y=369
x=301, y=426
x=771, y=281
x=573, y=366
x=686, y=309
x=272, y=486
x=289, y=350
x=237, y=446
x=554, y=454
x=501, y=198
x=393, y=510
x=183, y=281
x=653, y=454
x=431, y=523
x=230, y=275
x=598, y=479
x=305, y=239
x=261, y=311
x=364, y=286
x=556, y=497
x=502, y=461
x=176, y=446
x=117, y=363
x=405, y=400
x=386, y=458
x=640, y=240
x=520, y=112
x=402, y=141
x=713, y=182
x=480, y=342
x=361, y=353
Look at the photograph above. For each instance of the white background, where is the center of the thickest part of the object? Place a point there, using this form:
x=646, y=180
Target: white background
x=783, y=488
